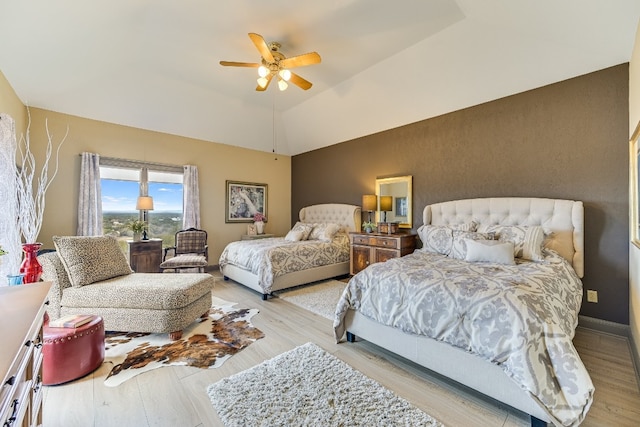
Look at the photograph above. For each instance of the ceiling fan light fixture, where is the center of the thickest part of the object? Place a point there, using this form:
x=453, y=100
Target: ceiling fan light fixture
x=263, y=71
x=282, y=85
x=285, y=75
x=262, y=82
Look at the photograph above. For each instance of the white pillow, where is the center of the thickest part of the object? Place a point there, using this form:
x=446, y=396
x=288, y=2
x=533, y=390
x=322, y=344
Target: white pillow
x=436, y=238
x=459, y=246
x=490, y=251
x=294, y=236
x=527, y=240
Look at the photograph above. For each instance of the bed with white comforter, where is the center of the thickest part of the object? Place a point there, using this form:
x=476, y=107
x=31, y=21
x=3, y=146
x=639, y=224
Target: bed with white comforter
x=272, y=264
x=513, y=319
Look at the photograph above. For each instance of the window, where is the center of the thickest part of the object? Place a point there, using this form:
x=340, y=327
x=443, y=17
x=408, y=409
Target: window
x=634, y=157
x=121, y=184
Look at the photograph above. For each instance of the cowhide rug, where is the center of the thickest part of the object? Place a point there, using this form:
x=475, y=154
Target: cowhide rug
x=206, y=343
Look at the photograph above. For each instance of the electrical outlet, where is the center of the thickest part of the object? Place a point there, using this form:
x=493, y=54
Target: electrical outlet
x=592, y=296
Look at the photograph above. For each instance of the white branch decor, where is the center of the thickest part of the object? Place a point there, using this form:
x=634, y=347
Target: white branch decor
x=31, y=195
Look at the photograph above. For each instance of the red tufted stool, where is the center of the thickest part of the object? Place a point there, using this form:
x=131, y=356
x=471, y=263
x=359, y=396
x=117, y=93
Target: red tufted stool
x=72, y=353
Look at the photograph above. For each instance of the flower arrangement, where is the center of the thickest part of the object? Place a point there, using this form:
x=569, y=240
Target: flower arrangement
x=137, y=226
x=368, y=226
x=259, y=217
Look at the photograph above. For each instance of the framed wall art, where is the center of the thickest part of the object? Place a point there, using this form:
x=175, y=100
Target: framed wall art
x=245, y=199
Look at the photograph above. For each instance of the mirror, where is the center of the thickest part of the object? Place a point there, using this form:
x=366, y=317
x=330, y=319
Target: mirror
x=399, y=188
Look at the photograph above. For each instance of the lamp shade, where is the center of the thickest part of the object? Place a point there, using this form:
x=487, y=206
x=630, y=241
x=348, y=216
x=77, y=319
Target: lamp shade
x=145, y=203
x=385, y=203
x=369, y=202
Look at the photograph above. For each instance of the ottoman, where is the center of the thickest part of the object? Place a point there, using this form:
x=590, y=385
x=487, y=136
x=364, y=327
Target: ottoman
x=71, y=353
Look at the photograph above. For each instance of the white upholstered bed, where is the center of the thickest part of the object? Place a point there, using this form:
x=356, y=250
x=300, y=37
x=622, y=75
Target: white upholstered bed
x=562, y=221
x=348, y=217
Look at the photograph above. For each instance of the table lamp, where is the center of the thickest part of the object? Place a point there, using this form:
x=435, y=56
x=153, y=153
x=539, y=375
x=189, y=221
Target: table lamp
x=385, y=205
x=145, y=204
x=369, y=203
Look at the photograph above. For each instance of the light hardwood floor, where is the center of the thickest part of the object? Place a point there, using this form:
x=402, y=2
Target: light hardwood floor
x=176, y=396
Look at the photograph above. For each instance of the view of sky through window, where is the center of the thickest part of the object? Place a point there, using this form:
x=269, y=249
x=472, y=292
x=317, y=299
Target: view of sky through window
x=121, y=196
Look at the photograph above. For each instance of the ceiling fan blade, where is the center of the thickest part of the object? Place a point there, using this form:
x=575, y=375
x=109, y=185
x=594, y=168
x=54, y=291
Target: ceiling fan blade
x=268, y=77
x=301, y=60
x=264, y=50
x=300, y=82
x=239, y=64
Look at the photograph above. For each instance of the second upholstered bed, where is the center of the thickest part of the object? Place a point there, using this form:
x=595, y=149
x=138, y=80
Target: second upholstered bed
x=268, y=265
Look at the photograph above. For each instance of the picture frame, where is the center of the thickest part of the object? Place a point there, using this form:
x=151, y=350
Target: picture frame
x=252, y=230
x=245, y=199
x=401, y=206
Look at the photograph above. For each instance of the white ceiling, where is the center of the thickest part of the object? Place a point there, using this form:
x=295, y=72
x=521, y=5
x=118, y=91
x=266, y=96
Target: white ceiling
x=153, y=64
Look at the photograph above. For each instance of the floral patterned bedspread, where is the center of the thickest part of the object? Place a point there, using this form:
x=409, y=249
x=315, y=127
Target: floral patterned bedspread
x=521, y=317
x=274, y=257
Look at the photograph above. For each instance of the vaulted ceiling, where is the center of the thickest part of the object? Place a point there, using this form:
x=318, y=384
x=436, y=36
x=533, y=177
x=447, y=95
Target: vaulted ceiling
x=154, y=64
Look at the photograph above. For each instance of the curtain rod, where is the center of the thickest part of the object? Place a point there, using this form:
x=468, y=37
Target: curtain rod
x=130, y=162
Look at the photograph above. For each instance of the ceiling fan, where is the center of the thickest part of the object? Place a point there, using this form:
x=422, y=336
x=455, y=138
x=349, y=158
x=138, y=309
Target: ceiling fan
x=274, y=63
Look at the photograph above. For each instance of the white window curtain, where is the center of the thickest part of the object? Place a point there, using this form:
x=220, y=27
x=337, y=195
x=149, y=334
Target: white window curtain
x=90, y=199
x=191, y=197
x=9, y=231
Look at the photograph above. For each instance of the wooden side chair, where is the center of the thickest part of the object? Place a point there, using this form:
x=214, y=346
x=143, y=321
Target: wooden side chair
x=191, y=251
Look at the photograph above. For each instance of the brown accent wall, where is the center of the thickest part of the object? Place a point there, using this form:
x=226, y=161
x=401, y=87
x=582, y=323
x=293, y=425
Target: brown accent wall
x=568, y=140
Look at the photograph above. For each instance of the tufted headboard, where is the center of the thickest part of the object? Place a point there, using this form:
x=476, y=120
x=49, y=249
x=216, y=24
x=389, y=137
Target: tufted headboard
x=347, y=216
x=565, y=218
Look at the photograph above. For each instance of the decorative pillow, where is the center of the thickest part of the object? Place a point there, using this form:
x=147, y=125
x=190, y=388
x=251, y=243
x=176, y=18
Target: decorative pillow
x=527, y=240
x=294, y=236
x=470, y=226
x=436, y=238
x=490, y=251
x=303, y=228
x=91, y=259
x=324, y=231
x=459, y=246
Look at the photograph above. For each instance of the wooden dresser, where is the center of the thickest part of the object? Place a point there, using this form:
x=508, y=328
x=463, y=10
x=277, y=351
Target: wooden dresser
x=22, y=310
x=369, y=248
x=145, y=256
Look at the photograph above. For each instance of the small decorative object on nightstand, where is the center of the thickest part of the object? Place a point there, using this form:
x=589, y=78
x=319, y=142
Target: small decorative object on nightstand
x=369, y=248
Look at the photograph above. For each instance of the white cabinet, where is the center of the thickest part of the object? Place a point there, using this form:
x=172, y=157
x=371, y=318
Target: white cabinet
x=22, y=310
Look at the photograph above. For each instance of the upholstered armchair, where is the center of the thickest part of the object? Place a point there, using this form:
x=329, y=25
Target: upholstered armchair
x=191, y=251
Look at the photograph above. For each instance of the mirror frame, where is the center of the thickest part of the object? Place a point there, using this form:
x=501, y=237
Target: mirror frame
x=408, y=179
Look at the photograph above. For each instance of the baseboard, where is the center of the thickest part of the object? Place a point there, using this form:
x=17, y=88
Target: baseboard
x=615, y=329
x=635, y=356
x=604, y=326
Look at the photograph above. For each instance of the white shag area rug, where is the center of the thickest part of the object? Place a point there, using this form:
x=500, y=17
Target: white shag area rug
x=307, y=386
x=320, y=298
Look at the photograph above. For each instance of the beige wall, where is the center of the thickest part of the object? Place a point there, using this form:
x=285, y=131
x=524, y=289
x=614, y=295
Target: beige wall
x=216, y=163
x=634, y=252
x=11, y=104
x=567, y=140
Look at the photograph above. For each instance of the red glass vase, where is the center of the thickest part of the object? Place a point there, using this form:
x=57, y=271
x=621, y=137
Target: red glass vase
x=30, y=266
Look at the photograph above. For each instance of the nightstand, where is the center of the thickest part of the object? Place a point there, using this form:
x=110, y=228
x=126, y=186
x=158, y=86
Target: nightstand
x=369, y=248
x=256, y=236
x=145, y=256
